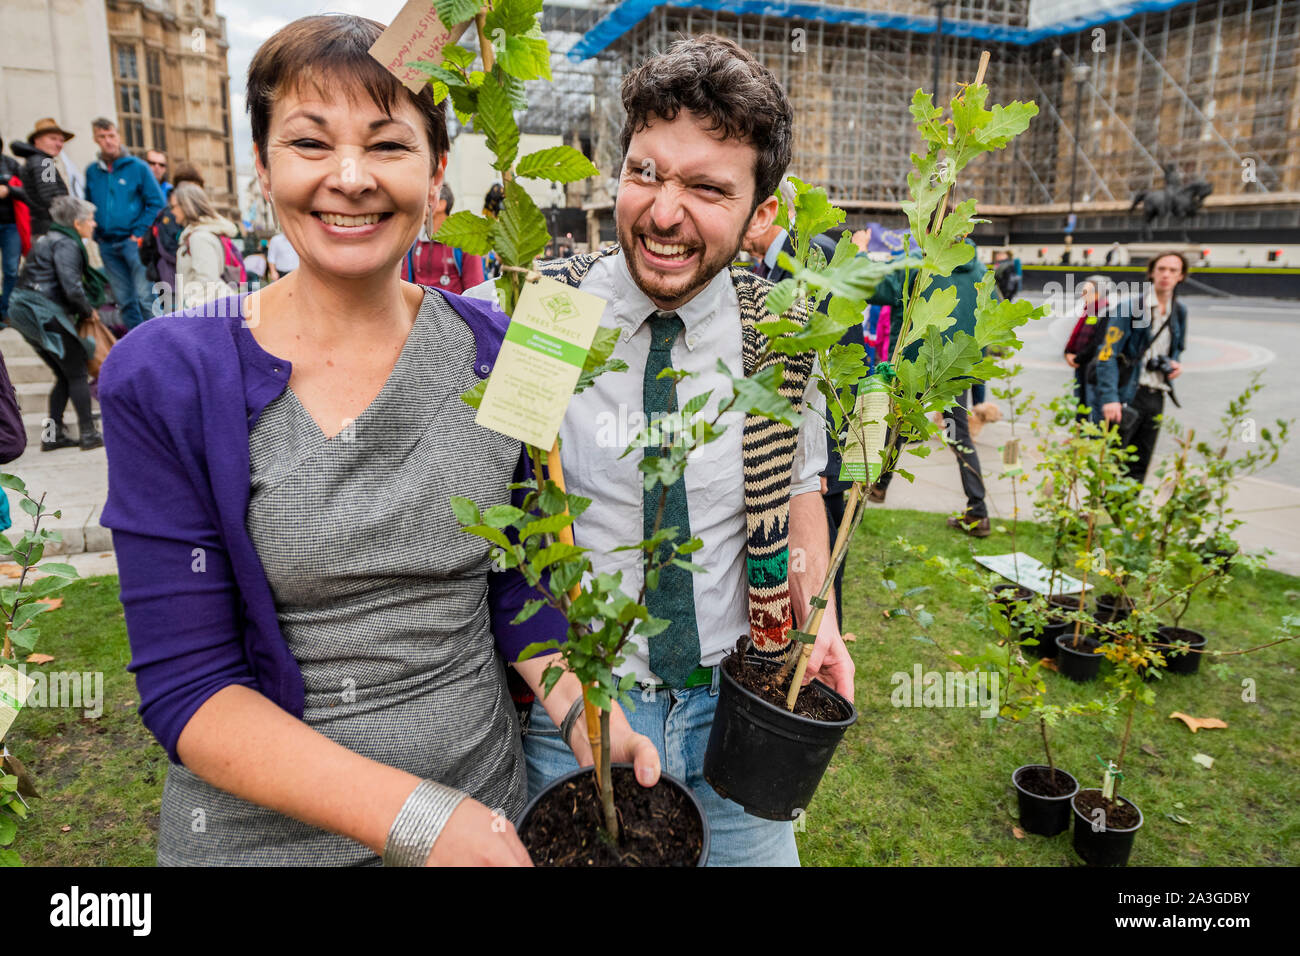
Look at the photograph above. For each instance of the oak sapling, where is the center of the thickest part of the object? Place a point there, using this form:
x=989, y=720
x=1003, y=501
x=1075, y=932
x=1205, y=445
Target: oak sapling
x=942, y=368
x=535, y=535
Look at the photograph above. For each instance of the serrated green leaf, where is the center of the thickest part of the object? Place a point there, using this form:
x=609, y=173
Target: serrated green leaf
x=452, y=12
x=502, y=516
x=530, y=608
x=551, y=524
x=14, y=482
x=495, y=119
x=31, y=507
x=758, y=395
x=559, y=164
x=515, y=17
x=696, y=404
x=781, y=297
x=466, y=231
x=457, y=55
x=24, y=637
x=520, y=233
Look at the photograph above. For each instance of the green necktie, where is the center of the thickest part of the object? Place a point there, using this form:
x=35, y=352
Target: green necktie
x=675, y=651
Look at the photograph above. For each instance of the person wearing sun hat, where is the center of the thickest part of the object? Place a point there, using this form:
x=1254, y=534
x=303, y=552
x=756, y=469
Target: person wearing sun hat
x=44, y=178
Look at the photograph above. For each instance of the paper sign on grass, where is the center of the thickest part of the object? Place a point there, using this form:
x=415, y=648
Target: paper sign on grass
x=540, y=361
x=416, y=33
x=1029, y=572
x=14, y=688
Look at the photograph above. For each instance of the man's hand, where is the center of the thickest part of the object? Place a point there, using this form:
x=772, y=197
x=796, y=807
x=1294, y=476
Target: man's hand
x=4, y=190
x=1113, y=412
x=830, y=662
x=1175, y=369
x=1070, y=360
x=824, y=485
x=625, y=746
x=477, y=836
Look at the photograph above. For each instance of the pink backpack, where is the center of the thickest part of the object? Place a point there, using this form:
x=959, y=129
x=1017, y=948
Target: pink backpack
x=234, y=266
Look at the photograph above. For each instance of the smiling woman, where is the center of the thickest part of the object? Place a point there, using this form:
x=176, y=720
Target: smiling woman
x=315, y=644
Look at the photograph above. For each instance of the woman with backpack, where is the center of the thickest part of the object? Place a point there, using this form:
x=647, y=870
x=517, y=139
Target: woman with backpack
x=1085, y=339
x=208, y=266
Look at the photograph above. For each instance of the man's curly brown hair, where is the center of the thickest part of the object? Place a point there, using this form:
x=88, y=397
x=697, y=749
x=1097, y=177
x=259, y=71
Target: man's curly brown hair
x=715, y=79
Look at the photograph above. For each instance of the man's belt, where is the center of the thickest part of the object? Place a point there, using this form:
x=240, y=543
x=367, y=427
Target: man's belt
x=700, y=677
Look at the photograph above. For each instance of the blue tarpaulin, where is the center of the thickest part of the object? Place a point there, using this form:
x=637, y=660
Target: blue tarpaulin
x=631, y=12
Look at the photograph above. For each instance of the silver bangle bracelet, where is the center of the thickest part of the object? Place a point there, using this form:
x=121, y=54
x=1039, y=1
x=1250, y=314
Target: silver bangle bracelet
x=419, y=823
x=566, y=725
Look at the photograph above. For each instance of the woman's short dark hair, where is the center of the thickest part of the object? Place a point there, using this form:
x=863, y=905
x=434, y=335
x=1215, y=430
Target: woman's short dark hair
x=338, y=46
x=1151, y=263
x=715, y=79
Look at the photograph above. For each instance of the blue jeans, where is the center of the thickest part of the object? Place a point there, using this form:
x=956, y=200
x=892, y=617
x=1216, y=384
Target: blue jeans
x=11, y=247
x=678, y=723
x=126, y=273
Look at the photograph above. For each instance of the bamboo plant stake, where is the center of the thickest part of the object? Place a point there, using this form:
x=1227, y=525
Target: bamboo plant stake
x=599, y=741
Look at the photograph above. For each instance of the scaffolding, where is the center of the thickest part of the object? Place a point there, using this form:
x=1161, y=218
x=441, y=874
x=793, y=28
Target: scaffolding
x=1206, y=89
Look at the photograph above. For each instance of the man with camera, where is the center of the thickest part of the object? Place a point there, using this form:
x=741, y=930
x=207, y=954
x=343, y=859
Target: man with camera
x=1138, y=360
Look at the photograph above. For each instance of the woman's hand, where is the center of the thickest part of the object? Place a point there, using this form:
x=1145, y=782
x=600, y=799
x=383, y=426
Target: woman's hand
x=477, y=836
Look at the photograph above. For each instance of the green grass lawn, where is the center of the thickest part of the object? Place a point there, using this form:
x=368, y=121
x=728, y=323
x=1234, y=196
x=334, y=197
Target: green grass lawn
x=932, y=787
x=910, y=786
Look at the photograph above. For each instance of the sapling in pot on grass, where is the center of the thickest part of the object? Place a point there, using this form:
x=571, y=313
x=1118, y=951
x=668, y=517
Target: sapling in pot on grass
x=763, y=707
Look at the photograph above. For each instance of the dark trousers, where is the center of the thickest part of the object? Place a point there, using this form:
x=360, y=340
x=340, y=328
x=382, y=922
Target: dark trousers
x=834, y=515
x=71, y=381
x=1149, y=403
x=11, y=250
x=956, y=424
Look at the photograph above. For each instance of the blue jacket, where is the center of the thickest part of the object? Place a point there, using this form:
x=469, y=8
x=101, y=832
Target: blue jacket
x=1126, y=342
x=126, y=199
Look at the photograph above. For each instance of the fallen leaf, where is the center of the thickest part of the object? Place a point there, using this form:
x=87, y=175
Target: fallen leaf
x=1050, y=665
x=850, y=638
x=66, y=829
x=1151, y=751
x=13, y=570
x=1177, y=819
x=52, y=603
x=107, y=554
x=1018, y=833
x=1196, y=723
x=1205, y=760
x=26, y=785
x=39, y=658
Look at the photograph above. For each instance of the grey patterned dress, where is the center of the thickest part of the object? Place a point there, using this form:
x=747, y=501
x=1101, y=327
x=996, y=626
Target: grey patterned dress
x=382, y=599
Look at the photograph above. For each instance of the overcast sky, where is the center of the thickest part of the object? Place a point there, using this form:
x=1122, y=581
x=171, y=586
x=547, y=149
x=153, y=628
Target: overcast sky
x=249, y=22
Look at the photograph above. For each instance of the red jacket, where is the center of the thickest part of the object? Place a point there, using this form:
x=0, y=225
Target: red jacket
x=435, y=262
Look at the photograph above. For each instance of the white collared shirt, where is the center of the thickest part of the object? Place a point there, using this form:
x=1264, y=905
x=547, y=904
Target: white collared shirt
x=774, y=249
x=602, y=421
x=1159, y=321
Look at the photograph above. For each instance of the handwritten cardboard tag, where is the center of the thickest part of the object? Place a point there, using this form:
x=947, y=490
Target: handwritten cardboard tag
x=416, y=33
x=540, y=361
x=14, y=688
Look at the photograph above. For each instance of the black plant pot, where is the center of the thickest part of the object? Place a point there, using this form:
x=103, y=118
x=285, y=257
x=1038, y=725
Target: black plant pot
x=1107, y=846
x=1081, y=665
x=665, y=780
x=1045, y=816
x=1188, y=663
x=1112, y=608
x=766, y=758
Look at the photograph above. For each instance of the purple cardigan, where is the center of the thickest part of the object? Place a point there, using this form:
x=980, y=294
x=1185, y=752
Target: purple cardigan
x=179, y=396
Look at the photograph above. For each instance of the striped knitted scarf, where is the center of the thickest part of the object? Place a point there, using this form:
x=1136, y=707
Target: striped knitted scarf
x=769, y=449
